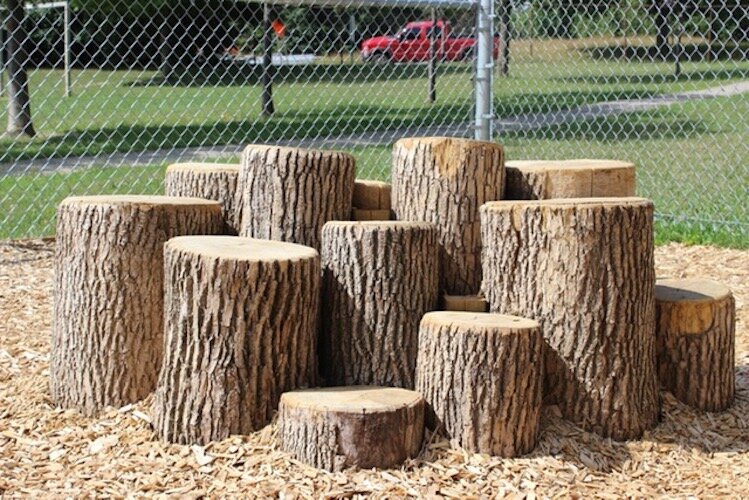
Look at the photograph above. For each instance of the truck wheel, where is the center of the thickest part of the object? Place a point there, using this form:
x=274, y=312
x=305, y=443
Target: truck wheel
x=468, y=55
x=379, y=57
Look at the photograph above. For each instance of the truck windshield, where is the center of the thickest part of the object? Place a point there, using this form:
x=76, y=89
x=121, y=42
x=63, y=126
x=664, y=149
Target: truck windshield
x=409, y=34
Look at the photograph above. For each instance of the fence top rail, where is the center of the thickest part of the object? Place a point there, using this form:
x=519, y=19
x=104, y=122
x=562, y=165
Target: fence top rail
x=467, y=4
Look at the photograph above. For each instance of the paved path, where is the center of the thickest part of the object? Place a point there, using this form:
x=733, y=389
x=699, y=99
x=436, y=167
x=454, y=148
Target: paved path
x=509, y=124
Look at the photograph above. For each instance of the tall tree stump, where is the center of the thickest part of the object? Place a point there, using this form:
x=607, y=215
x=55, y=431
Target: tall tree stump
x=361, y=426
x=481, y=376
x=696, y=341
x=288, y=194
x=212, y=181
x=379, y=278
x=584, y=269
x=371, y=195
x=107, y=335
x=444, y=181
x=469, y=303
x=542, y=180
x=241, y=323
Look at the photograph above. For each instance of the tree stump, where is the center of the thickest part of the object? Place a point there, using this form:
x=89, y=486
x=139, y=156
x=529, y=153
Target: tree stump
x=341, y=427
x=379, y=278
x=241, y=322
x=362, y=215
x=696, y=341
x=107, y=336
x=212, y=181
x=469, y=303
x=444, y=181
x=371, y=195
x=584, y=269
x=482, y=375
x=542, y=180
x=288, y=194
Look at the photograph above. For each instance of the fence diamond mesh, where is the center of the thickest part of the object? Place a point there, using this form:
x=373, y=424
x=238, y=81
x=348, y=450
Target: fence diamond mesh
x=117, y=90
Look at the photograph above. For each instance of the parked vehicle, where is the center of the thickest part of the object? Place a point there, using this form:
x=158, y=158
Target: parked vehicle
x=412, y=44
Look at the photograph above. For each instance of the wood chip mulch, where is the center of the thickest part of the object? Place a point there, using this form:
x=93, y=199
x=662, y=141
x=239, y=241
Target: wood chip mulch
x=46, y=452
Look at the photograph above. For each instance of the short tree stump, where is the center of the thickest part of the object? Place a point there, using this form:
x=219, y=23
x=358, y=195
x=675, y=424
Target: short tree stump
x=241, y=324
x=542, y=180
x=696, y=341
x=371, y=195
x=107, y=334
x=361, y=426
x=212, y=181
x=481, y=375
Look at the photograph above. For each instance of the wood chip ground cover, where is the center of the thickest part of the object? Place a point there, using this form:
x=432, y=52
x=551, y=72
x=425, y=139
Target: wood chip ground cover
x=46, y=452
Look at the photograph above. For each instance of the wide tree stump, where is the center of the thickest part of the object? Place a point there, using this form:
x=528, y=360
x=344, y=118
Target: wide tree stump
x=482, y=375
x=107, y=334
x=584, y=269
x=469, y=303
x=241, y=323
x=379, y=278
x=696, y=341
x=361, y=426
x=444, y=181
x=359, y=214
x=288, y=194
x=542, y=180
x=371, y=195
x=212, y=181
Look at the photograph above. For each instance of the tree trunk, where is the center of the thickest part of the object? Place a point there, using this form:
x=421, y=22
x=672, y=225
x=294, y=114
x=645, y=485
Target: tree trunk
x=472, y=303
x=19, y=98
x=444, y=181
x=371, y=195
x=107, y=338
x=341, y=427
x=212, y=181
x=288, y=194
x=696, y=342
x=482, y=376
x=505, y=32
x=584, y=269
x=241, y=321
x=542, y=180
x=663, y=10
x=379, y=278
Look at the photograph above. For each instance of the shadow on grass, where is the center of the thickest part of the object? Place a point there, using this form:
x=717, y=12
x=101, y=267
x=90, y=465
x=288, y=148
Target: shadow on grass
x=664, y=77
x=731, y=51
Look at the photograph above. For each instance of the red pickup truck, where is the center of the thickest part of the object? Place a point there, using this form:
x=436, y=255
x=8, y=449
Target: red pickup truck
x=411, y=44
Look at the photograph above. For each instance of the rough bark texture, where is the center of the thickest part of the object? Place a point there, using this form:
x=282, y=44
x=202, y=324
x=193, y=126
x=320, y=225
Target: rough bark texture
x=212, y=181
x=361, y=426
x=371, y=195
x=241, y=322
x=482, y=375
x=365, y=215
x=471, y=303
x=542, y=180
x=379, y=278
x=584, y=269
x=288, y=194
x=107, y=337
x=19, y=96
x=696, y=342
x=445, y=181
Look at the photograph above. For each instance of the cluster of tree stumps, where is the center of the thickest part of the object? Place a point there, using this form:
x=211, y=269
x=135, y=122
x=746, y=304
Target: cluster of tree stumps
x=282, y=284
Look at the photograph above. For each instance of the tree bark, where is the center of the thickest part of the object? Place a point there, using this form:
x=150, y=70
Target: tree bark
x=241, y=322
x=482, y=375
x=444, y=181
x=371, y=195
x=663, y=11
x=108, y=310
x=212, y=181
x=19, y=98
x=379, y=278
x=288, y=194
x=584, y=269
x=361, y=426
x=358, y=214
x=542, y=180
x=696, y=342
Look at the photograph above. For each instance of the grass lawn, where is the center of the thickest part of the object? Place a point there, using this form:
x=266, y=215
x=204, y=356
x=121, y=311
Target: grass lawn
x=692, y=157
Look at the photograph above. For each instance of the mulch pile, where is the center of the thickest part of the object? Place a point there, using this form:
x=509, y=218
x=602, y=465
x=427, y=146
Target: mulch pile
x=49, y=452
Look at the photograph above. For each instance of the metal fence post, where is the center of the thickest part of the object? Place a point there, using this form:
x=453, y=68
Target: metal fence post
x=484, y=65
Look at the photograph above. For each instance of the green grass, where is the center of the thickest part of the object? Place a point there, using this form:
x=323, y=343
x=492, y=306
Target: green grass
x=692, y=157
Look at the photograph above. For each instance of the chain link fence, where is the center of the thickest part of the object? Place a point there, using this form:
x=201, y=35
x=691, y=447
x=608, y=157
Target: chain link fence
x=100, y=96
